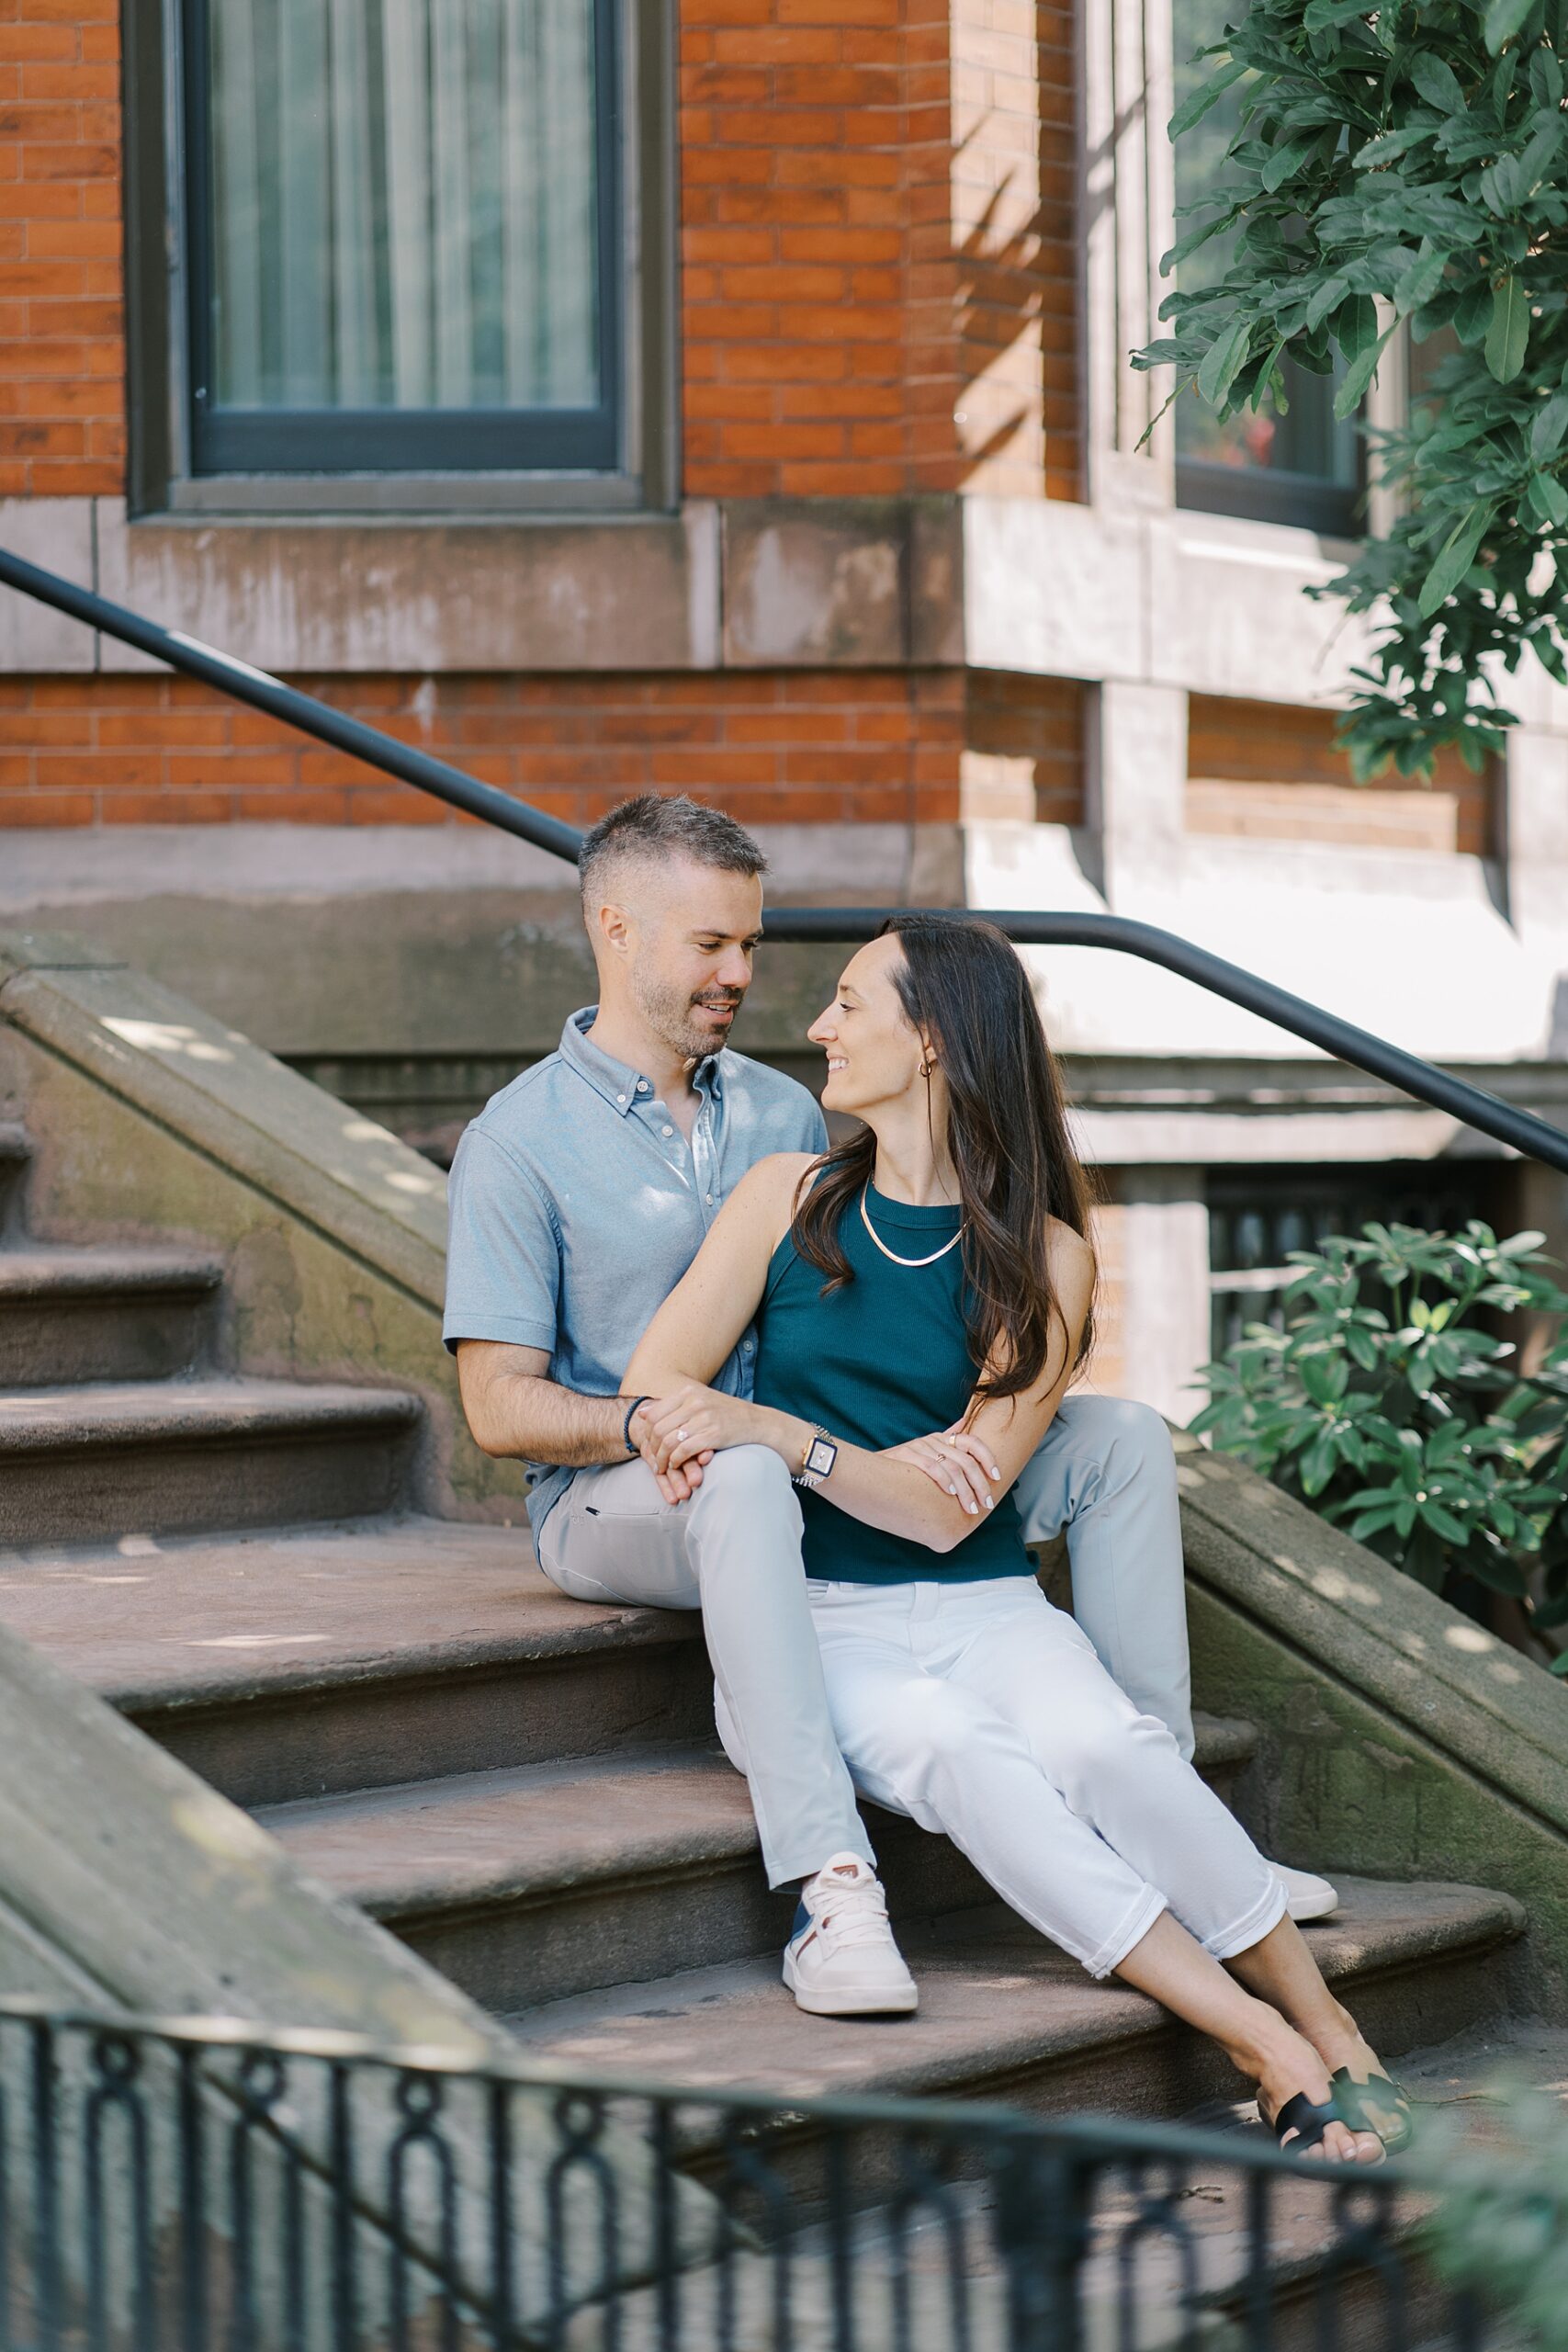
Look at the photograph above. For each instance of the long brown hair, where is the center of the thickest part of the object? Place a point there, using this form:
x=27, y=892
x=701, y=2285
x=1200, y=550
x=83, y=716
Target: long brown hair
x=963, y=983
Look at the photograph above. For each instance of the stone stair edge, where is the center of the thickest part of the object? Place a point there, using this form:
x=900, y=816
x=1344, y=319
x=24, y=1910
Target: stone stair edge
x=543, y=1861
x=999, y=2039
x=31, y=1269
x=186, y=1411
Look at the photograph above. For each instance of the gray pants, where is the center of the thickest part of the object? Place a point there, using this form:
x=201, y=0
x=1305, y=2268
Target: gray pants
x=1105, y=1472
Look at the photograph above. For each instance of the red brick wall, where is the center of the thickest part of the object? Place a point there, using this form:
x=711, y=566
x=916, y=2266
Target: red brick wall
x=1014, y=241
x=1023, y=748
x=803, y=747
x=1291, y=783
x=792, y=127
x=879, y=247
x=61, y=348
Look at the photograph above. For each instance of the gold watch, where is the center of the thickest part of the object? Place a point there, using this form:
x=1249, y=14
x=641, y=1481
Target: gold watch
x=820, y=1455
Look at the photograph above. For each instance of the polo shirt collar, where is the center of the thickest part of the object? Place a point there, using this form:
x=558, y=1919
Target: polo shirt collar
x=621, y=1087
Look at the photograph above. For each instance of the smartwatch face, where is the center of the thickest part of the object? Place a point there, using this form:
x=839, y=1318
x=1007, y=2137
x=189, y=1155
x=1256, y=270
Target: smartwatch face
x=821, y=1458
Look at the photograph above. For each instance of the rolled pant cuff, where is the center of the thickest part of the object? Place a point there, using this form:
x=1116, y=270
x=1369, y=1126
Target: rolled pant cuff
x=1264, y=1916
x=1132, y=1931
x=792, y=1869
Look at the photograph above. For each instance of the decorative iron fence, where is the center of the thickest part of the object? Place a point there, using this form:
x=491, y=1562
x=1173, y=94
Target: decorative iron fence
x=206, y=2186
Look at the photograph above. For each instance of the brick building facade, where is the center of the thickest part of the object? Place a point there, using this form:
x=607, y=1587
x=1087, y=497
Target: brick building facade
x=877, y=549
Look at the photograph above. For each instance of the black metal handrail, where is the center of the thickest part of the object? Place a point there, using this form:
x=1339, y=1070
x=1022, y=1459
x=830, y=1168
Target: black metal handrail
x=1522, y=1131
x=207, y=2182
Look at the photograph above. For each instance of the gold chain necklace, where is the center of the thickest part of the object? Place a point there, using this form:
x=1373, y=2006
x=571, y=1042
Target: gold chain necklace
x=866, y=1220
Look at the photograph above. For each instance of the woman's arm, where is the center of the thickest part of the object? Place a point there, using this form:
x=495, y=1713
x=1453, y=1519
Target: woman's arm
x=701, y=1322
x=903, y=1500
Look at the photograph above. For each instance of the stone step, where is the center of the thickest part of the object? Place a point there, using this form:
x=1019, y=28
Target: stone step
x=156, y=1457
x=282, y=1666
x=527, y=1885
x=102, y=1314
x=1004, y=2017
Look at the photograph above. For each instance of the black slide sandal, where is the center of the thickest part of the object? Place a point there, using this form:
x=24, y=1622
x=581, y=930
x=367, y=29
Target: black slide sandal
x=1305, y=2118
x=1358, y=2103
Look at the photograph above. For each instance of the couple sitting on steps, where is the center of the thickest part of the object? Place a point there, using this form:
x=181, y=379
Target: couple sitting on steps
x=821, y=1395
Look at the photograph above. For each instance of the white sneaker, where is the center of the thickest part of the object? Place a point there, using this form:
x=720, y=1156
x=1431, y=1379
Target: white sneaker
x=1308, y=1896
x=840, y=1959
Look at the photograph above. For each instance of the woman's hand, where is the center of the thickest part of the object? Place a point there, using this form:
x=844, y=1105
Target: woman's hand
x=693, y=1423
x=957, y=1462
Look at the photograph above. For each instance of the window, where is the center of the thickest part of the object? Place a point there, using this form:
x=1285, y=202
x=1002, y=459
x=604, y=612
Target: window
x=402, y=234
x=1304, y=466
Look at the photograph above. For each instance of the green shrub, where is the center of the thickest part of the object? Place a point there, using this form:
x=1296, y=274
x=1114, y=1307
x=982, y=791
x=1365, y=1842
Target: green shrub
x=1388, y=1407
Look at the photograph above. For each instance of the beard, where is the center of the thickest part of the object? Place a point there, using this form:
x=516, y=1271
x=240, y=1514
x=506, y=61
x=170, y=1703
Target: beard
x=673, y=1016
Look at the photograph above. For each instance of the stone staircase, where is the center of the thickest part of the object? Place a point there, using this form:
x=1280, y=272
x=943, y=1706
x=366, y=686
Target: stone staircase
x=524, y=1789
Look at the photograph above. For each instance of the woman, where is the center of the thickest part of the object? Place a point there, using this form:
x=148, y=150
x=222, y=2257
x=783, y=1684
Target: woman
x=935, y=1270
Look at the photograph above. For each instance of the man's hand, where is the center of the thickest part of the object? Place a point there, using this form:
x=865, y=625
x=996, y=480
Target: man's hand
x=960, y=1464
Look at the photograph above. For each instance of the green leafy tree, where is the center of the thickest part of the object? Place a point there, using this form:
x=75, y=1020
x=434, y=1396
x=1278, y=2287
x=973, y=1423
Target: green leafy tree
x=1407, y=167
x=1388, y=1407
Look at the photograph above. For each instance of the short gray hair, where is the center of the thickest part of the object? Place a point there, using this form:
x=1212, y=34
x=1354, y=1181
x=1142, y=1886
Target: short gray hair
x=655, y=825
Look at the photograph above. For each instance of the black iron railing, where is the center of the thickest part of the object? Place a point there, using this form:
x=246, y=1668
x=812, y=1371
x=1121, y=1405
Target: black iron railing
x=209, y=2187
x=1471, y=1105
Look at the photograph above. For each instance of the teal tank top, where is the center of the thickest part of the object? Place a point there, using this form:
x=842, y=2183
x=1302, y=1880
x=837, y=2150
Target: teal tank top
x=882, y=1360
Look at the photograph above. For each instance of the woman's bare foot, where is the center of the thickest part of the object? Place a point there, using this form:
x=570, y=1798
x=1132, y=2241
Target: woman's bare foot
x=1339, y=2042
x=1287, y=2063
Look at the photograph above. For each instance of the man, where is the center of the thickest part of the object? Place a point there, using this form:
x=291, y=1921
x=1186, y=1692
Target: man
x=579, y=1198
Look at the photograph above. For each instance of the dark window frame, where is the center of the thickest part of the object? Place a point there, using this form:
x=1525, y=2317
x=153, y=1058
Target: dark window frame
x=1265, y=494
x=620, y=456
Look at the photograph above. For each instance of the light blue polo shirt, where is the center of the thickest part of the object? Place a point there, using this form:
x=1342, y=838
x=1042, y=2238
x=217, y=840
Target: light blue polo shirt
x=576, y=1204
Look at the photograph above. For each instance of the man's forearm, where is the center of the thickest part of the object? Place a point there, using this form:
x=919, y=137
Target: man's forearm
x=534, y=1420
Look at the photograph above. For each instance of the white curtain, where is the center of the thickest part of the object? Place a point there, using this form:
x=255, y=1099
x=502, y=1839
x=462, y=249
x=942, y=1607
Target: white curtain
x=404, y=199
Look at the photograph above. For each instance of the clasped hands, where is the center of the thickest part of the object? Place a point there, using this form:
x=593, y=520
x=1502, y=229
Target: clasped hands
x=678, y=1435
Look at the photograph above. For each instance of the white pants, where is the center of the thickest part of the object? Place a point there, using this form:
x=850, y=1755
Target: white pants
x=980, y=1710
x=1104, y=1472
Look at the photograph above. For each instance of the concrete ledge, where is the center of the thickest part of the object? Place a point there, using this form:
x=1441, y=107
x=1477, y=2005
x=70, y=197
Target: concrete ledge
x=149, y=1116
x=1397, y=1738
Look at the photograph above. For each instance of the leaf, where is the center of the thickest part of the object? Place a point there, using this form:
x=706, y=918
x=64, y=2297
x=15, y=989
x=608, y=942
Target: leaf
x=1287, y=160
x=1504, y=18
x=1454, y=558
x=1359, y=374
x=1392, y=143
x=1194, y=241
x=1223, y=361
x=1437, y=82
x=1551, y=424
x=1208, y=93
x=1326, y=298
x=1356, y=325
x=1549, y=498
x=1473, y=312
x=1420, y=281
x=1509, y=332
x=1443, y=1522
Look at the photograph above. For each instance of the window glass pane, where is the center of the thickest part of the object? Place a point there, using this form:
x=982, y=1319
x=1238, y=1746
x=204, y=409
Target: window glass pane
x=402, y=205
x=1308, y=440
